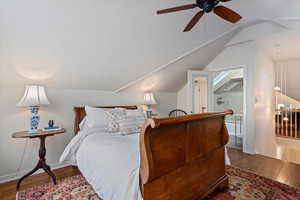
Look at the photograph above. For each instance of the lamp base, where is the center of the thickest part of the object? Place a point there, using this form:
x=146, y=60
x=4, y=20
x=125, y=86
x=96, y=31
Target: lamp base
x=34, y=120
x=149, y=113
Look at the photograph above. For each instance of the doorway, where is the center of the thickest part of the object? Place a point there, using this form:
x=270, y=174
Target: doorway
x=200, y=98
x=228, y=93
x=218, y=91
x=199, y=91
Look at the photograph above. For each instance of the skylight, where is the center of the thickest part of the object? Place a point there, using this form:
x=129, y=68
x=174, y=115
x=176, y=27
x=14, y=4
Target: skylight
x=220, y=77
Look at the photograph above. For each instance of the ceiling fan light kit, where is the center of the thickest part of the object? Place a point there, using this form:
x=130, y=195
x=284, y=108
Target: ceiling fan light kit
x=206, y=6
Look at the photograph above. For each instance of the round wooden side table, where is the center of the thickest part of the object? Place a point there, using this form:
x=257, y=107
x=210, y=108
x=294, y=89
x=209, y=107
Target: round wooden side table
x=42, y=152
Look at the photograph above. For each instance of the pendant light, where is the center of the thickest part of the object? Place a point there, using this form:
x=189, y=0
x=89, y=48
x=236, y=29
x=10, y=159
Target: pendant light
x=277, y=87
x=285, y=94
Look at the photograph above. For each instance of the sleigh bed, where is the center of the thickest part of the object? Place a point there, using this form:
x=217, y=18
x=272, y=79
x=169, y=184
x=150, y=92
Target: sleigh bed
x=181, y=158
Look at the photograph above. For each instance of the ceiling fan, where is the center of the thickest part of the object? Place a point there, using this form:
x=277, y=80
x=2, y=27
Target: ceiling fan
x=206, y=6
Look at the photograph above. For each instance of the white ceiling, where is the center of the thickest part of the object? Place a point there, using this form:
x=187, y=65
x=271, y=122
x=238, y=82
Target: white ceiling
x=173, y=77
x=104, y=45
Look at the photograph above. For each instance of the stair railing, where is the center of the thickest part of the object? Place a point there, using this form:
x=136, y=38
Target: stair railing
x=287, y=123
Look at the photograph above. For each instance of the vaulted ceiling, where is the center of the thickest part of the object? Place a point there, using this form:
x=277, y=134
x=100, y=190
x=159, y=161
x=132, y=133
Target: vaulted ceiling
x=105, y=45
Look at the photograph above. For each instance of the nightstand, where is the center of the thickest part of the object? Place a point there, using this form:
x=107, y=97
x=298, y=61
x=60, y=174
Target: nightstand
x=42, y=152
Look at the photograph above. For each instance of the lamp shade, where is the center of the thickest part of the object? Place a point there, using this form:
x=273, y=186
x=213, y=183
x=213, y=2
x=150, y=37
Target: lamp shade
x=34, y=96
x=149, y=99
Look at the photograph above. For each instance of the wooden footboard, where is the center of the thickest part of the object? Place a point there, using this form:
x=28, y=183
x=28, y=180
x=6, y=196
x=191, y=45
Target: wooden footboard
x=183, y=158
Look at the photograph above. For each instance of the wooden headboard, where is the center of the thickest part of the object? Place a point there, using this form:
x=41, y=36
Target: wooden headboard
x=80, y=114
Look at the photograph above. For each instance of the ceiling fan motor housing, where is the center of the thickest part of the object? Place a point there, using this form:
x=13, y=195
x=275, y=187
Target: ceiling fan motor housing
x=207, y=5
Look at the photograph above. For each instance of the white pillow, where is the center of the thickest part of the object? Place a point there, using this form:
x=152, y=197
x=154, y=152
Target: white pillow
x=135, y=113
x=131, y=124
x=95, y=117
x=83, y=124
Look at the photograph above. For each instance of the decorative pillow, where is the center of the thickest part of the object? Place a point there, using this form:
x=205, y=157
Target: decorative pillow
x=95, y=117
x=112, y=117
x=135, y=113
x=131, y=124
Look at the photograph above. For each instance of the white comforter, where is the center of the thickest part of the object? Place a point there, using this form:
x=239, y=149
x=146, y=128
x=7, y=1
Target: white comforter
x=110, y=163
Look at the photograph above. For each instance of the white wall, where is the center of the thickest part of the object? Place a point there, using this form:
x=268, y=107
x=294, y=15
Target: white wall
x=242, y=55
x=239, y=55
x=292, y=70
x=232, y=99
x=283, y=99
x=182, y=99
x=245, y=51
x=265, y=105
x=14, y=119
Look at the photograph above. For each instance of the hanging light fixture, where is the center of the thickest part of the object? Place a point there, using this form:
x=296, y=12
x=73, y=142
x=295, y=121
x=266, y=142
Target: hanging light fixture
x=277, y=82
x=285, y=93
x=277, y=88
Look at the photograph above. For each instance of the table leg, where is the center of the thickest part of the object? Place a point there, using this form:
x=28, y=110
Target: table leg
x=28, y=174
x=41, y=164
x=47, y=169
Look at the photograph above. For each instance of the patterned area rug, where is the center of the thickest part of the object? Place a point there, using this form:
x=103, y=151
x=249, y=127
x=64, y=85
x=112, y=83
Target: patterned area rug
x=244, y=185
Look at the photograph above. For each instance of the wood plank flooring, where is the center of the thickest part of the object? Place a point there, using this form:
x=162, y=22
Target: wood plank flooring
x=281, y=171
x=284, y=172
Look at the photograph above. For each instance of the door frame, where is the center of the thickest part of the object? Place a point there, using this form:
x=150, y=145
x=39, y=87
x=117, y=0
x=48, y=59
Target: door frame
x=192, y=75
x=246, y=88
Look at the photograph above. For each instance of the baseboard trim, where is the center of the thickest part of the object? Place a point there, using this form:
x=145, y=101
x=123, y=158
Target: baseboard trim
x=16, y=176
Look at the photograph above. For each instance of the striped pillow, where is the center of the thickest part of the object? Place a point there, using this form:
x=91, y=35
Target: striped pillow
x=131, y=124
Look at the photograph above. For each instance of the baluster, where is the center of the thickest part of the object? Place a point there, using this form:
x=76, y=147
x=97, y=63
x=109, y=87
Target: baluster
x=286, y=124
x=291, y=123
x=235, y=129
x=296, y=124
x=277, y=123
x=281, y=123
x=241, y=121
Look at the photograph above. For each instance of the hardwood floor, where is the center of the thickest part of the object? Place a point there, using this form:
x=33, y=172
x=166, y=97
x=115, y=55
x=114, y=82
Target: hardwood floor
x=284, y=172
x=281, y=171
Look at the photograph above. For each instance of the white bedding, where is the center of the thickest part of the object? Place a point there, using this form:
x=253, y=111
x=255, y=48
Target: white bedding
x=110, y=163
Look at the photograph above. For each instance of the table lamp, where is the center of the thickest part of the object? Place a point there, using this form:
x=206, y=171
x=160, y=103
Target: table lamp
x=149, y=100
x=34, y=97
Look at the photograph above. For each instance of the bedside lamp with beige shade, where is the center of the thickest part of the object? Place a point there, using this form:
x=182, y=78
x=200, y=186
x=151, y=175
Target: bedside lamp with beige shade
x=149, y=100
x=34, y=97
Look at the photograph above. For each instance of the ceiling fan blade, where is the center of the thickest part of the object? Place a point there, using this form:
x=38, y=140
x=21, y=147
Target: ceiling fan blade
x=194, y=21
x=227, y=14
x=224, y=0
x=175, y=9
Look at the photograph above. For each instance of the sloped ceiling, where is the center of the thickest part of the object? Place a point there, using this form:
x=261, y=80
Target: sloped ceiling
x=92, y=44
x=104, y=45
x=174, y=76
